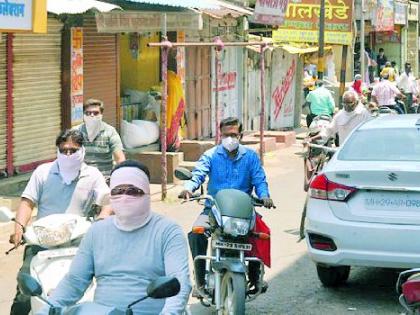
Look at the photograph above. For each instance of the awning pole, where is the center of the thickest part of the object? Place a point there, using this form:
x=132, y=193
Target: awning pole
x=165, y=51
x=218, y=49
x=9, y=100
x=262, y=114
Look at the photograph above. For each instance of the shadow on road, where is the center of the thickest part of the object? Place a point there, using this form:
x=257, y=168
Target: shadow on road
x=297, y=290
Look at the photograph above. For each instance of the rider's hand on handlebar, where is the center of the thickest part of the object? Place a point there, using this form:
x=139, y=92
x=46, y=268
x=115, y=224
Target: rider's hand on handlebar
x=16, y=238
x=268, y=202
x=185, y=194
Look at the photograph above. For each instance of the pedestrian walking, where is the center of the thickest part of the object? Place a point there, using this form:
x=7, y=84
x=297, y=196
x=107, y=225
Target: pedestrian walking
x=381, y=60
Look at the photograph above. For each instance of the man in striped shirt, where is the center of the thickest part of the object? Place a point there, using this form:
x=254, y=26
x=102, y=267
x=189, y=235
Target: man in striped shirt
x=385, y=92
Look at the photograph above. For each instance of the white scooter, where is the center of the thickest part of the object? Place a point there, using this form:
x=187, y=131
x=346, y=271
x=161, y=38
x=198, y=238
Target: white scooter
x=60, y=235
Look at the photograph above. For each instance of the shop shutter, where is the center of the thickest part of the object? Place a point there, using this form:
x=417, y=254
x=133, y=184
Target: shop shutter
x=412, y=47
x=100, y=68
x=36, y=96
x=3, y=95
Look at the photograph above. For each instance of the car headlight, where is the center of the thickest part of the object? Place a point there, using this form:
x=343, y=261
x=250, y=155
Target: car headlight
x=54, y=236
x=235, y=226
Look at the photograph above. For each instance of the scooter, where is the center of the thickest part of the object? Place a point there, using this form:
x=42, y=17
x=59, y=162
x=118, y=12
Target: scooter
x=231, y=226
x=59, y=235
x=408, y=289
x=160, y=288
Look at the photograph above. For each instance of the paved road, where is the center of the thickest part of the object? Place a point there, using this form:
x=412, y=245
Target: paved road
x=294, y=287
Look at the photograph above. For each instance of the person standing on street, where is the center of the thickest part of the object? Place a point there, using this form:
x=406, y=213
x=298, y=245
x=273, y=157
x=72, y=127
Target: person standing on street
x=64, y=185
x=348, y=118
x=229, y=165
x=389, y=71
x=381, y=60
x=321, y=102
x=126, y=251
x=407, y=83
x=385, y=92
x=101, y=141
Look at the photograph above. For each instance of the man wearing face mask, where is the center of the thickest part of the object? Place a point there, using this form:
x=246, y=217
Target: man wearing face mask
x=62, y=186
x=128, y=250
x=348, y=118
x=228, y=165
x=101, y=141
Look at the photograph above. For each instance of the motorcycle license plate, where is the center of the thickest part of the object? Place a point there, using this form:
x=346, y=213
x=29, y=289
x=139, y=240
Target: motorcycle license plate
x=228, y=245
x=60, y=252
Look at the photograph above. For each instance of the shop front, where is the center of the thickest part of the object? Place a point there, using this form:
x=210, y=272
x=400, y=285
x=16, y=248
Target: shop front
x=412, y=37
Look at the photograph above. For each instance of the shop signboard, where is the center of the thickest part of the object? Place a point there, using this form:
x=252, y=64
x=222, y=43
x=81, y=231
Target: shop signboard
x=270, y=12
x=400, y=13
x=76, y=75
x=383, y=19
x=302, y=22
x=137, y=21
x=23, y=16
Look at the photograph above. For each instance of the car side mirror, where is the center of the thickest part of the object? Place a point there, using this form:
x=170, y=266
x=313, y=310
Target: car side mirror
x=163, y=287
x=6, y=215
x=183, y=173
x=28, y=285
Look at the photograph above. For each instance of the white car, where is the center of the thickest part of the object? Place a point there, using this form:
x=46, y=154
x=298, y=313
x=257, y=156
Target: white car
x=364, y=207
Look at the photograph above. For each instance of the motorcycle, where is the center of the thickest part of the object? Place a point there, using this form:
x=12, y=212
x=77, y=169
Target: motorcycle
x=160, y=288
x=59, y=236
x=231, y=226
x=408, y=289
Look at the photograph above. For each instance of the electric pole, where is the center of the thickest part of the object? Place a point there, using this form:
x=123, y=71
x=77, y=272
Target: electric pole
x=321, y=63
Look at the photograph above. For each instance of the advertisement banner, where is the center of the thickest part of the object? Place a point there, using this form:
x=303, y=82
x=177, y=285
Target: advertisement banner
x=270, y=12
x=383, y=19
x=283, y=87
x=302, y=22
x=76, y=76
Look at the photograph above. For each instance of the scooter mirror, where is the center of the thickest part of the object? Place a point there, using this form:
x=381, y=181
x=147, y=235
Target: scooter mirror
x=163, y=287
x=28, y=285
x=6, y=215
x=183, y=174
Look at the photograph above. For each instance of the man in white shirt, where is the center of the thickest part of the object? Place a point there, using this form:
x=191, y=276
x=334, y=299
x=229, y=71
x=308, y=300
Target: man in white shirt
x=385, y=92
x=348, y=118
x=407, y=82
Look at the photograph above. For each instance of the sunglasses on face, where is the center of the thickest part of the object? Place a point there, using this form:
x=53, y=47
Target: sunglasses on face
x=233, y=135
x=130, y=191
x=68, y=151
x=92, y=113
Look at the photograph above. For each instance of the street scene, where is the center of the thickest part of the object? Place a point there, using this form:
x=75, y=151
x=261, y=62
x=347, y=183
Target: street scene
x=209, y=157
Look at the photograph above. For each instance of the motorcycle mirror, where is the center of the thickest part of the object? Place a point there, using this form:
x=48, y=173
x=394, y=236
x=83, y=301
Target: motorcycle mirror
x=28, y=285
x=163, y=287
x=183, y=173
x=6, y=215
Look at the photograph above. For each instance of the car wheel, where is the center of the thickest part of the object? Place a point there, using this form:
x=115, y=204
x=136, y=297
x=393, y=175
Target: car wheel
x=333, y=276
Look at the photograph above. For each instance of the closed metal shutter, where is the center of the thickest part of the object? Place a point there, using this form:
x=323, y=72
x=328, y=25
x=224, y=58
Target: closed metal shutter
x=412, y=47
x=36, y=96
x=3, y=96
x=100, y=69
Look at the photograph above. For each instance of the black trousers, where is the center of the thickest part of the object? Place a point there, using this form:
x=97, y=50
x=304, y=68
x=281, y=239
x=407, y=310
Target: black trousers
x=22, y=303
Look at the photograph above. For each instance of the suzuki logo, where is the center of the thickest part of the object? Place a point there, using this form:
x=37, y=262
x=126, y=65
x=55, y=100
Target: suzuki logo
x=392, y=177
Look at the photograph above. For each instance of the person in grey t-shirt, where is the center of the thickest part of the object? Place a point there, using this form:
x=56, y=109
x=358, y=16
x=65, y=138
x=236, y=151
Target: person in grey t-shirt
x=125, y=252
x=62, y=186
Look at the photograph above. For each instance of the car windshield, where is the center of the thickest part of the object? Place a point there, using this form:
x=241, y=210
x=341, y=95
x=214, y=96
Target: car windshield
x=398, y=144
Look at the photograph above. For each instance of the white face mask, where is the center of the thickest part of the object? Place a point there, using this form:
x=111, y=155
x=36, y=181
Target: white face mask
x=230, y=144
x=131, y=212
x=69, y=165
x=93, y=126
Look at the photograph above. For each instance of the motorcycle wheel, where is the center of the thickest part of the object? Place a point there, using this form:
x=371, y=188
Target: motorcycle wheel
x=307, y=173
x=233, y=293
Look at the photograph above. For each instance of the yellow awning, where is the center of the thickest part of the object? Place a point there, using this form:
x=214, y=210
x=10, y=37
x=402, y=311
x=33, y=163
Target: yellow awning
x=302, y=50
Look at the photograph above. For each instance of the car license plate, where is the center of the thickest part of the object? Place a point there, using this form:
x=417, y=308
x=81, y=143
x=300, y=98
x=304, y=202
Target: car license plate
x=407, y=202
x=60, y=252
x=228, y=245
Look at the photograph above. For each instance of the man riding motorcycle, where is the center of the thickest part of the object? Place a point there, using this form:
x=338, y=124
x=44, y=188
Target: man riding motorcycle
x=228, y=165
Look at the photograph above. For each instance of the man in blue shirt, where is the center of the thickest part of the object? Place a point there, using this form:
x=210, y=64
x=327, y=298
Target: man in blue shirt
x=228, y=165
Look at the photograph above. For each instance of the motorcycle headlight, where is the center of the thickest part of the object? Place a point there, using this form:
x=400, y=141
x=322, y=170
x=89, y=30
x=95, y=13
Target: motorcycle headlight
x=235, y=226
x=54, y=235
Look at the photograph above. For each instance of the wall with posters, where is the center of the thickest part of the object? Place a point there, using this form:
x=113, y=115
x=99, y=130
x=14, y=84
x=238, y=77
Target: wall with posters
x=283, y=89
x=231, y=77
